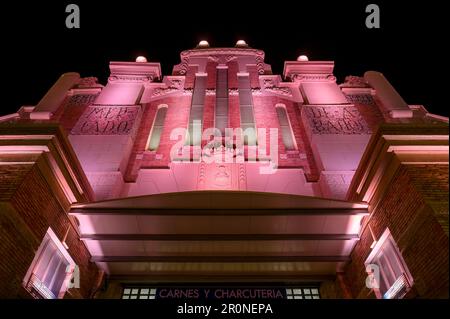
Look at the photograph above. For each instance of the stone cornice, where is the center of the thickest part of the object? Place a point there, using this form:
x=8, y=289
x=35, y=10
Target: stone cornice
x=134, y=72
x=309, y=70
x=390, y=147
x=56, y=159
x=221, y=56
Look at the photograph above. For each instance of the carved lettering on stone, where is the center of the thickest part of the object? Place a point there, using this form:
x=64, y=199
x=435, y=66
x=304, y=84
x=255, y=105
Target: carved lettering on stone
x=335, y=119
x=106, y=120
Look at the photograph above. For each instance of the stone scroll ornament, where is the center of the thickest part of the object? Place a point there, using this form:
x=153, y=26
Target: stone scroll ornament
x=106, y=120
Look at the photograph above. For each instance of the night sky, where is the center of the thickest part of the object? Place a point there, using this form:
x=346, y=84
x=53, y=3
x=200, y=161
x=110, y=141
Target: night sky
x=409, y=48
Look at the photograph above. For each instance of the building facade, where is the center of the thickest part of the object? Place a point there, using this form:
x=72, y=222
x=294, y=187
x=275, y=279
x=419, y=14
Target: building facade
x=223, y=173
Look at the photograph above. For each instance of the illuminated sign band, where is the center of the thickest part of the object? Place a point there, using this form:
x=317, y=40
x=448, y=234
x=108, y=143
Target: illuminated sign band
x=220, y=293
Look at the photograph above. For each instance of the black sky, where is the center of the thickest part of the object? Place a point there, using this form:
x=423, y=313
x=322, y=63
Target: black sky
x=410, y=48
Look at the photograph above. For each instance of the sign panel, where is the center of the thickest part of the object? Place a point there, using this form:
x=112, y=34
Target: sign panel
x=106, y=120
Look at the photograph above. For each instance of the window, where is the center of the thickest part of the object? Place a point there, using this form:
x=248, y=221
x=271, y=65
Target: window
x=302, y=293
x=393, y=278
x=139, y=293
x=285, y=125
x=194, y=135
x=221, y=113
x=246, y=109
x=158, y=124
x=51, y=270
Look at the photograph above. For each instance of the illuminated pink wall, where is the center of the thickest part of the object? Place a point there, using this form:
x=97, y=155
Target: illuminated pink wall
x=330, y=124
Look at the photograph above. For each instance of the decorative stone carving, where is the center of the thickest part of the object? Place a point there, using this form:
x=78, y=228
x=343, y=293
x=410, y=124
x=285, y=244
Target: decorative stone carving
x=365, y=99
x=221, y=56
x=130, y=78
x=280, y=90
x=313, y=77
x=260, y=64
x=222, y=177
x=163, y=91
x=106, y=120
x=81, y=100
x=355, y=81
x=335, y=119
x=268, y=83
x=221, y=59
x=176, y=83
x=88, y=82
x=331, y=78
x=242, y=177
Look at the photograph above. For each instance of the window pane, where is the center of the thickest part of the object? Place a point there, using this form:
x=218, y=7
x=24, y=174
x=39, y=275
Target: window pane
x=221, y=112
x=286, y=132
x=44, y=260
x=221, y=106
x=245, y=97
x=244, y=82
x=157, y=129
x=249, y=134
x=247, y=115
x=49, y=271
x=59, y=277
x=196, y=113
x=281, y=112
x=394, y=261
x=395, y=279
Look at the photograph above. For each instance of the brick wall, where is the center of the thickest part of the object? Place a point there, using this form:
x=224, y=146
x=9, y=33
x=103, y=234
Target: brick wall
x=233, y=70
x=27, y=210
x=177, y=116
x=421, y=238
x=337, y=289
x=211, y=70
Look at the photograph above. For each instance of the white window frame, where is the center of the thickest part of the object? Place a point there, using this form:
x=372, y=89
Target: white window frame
x=404, y=280
x=30, y=283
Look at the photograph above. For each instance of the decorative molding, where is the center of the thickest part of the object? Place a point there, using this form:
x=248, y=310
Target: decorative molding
x=176, y=83
x=242, y=177
x=130, y=78
x=88, y=82
x=394, y=145
x=280, y=90
x=134, y=72
x=255, y=91
x=55, y=158
x=81, y=100
x=313, y=77
x=221, y=56
x=222, y=59
x=164, y=91
x=309, y=70
x=355, y=81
